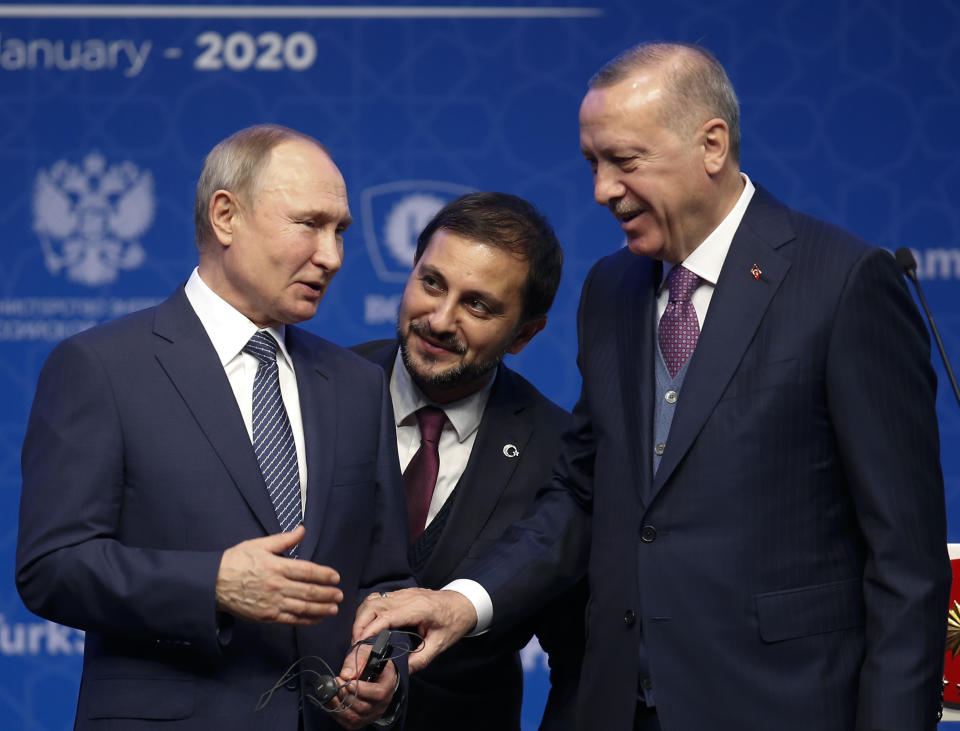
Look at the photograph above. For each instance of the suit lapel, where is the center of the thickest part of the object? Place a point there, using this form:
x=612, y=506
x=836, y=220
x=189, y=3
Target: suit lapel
x=318, y=409
x=488, y=471
x=485, y=478
x=191, y=363
x=637, y=349
x=739, y=303
x=384, y=354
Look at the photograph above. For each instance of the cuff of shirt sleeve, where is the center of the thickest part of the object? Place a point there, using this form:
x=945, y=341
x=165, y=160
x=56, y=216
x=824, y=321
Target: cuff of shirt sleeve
x=479, y=599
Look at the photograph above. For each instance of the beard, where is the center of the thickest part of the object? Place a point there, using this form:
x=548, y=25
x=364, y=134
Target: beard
x=456, y=376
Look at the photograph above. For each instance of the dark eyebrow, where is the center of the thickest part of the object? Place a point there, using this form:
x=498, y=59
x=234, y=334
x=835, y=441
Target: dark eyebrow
x=496, y=305
x=427, y=269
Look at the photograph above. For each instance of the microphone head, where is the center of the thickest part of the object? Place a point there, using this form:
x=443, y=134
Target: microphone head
x=905, y=259
x=326, y=688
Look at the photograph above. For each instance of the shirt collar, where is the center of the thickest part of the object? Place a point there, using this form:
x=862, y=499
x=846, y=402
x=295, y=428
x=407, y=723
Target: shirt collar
x=707, y=259
x=228, y=329
x=465, y=415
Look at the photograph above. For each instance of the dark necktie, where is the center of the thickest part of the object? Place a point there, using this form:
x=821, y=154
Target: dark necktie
x=420, y=477
x=679, y=329
x=272, y=435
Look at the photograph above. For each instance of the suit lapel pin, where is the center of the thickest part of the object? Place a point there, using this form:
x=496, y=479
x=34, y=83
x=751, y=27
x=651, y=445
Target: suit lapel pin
x=755, y=271
x=510, y=450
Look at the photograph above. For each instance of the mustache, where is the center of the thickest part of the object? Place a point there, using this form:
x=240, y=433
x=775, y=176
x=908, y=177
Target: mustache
x=621, y=208
x=447, y=340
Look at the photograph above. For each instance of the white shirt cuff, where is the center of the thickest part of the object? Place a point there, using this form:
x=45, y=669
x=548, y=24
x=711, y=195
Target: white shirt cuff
x=479, y=599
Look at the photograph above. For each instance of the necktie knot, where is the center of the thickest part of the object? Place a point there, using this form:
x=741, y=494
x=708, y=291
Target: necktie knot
x=681, y=282
x=263, y=347
x=431, y=421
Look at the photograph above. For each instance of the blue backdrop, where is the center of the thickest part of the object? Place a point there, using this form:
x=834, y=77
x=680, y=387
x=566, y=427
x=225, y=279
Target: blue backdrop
x=850, y=112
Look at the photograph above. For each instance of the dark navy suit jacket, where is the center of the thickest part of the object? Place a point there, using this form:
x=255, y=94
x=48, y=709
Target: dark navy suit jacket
x=138, y=472
x=477, y=685
x=786, y=565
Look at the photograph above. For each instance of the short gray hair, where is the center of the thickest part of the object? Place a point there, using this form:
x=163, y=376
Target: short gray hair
x=695, y=80
x=235, y=164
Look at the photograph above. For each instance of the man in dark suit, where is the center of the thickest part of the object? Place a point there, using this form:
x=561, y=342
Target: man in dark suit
x=485, y=273
x=753, y=474
x=204, y=484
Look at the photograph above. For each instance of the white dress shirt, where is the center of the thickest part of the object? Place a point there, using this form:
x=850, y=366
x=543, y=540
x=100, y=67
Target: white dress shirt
x=705, y=261
x=229, y=331
x=456, y=440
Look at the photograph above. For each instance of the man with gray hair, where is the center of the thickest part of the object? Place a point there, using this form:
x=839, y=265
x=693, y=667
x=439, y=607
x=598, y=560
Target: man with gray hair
x=204, y=484
x=752, y=478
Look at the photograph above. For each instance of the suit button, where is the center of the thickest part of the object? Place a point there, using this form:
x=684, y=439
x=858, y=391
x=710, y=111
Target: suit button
x=629, y=618
x=648, y=534
x=292, y=684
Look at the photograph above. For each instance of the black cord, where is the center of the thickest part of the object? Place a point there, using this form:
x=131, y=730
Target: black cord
x=400, y=649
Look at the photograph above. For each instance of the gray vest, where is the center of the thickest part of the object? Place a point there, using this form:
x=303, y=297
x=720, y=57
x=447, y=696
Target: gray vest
x=667, y=395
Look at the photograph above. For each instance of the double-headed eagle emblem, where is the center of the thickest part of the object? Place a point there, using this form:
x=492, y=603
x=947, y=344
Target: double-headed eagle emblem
x=89, y=217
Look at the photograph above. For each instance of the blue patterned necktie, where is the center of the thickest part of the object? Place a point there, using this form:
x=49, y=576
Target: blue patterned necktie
x=679, y=328
x=272, y=435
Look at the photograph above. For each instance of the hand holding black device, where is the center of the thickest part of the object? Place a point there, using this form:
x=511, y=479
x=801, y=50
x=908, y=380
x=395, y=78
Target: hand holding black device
x=379, y=657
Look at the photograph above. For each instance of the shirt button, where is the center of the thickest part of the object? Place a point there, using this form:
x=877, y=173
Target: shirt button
x=629, y=618
x=648, y=534
x=670, y=397
x=658, y=450
x=646, y=684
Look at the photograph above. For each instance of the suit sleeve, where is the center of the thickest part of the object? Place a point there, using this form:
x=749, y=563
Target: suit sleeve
x=72, y=567
x=546, y=552
x=881, y=394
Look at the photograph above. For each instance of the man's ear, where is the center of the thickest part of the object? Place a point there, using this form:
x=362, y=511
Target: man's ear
x=525, y=334
x=224, y=210
x=716, y=145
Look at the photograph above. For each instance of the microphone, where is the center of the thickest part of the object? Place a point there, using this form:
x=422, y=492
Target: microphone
x=906, y=262
x=326, y=688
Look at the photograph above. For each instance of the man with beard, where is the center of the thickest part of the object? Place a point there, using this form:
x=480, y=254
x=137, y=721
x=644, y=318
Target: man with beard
x=476, y=440
x=753, y=475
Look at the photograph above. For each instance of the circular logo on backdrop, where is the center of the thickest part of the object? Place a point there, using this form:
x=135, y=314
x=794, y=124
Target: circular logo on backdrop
x=406, y=219
x=393, y=216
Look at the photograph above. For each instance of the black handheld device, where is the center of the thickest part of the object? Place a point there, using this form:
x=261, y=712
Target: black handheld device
x=379, y=657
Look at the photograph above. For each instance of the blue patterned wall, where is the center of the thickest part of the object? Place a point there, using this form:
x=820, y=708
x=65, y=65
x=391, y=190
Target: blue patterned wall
x=850, y=112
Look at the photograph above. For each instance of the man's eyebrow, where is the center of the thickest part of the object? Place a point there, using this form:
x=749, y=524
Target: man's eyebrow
x=427, y=269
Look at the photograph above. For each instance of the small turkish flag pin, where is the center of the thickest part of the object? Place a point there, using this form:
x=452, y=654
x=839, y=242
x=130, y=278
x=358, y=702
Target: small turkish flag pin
x=755, y=271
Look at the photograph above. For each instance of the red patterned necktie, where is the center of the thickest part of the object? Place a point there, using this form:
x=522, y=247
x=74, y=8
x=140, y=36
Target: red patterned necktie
x=679, y=329
x=420, y=477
